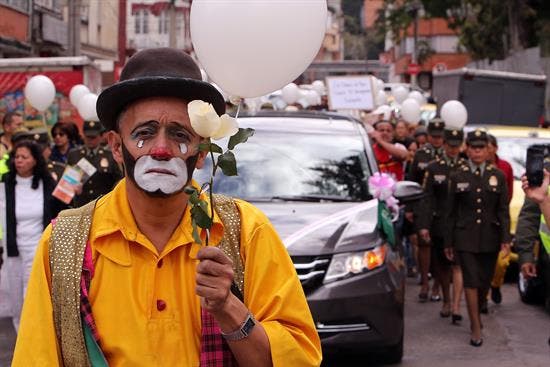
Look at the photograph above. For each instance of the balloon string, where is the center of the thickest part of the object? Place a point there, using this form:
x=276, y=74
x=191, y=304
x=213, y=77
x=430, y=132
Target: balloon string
x=239, y=107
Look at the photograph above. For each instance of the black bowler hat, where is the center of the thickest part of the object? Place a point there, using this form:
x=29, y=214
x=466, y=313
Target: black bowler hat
x=156, y=72
x=436, y=127
x=454, y=137
x=477, y=138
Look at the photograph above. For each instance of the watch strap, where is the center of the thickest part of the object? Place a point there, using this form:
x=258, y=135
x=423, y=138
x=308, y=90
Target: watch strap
x=243, y=331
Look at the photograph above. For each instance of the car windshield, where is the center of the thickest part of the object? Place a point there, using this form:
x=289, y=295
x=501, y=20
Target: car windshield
x=307, y=159
x=514, y=150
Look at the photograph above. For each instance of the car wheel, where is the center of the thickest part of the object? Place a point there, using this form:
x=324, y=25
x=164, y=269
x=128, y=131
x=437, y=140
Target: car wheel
x=530, y=290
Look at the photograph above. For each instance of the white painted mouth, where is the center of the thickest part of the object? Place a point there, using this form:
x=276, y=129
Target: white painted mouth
x=167, y=176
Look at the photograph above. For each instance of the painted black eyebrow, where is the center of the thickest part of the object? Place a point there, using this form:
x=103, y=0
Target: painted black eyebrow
x=141, y=124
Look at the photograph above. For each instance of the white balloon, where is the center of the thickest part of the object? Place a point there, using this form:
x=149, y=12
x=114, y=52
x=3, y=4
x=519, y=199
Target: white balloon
x=77, y=92
x=383, y=110
x=40, y=92
x=381, y=98
x=410, y=111
x=379, y=84
x=253, y=47
x=312, y=97
x=86, y=107
x=454, y=114
x=291, y=93
x=400, y=94
x=319, y=87
x=418, y=97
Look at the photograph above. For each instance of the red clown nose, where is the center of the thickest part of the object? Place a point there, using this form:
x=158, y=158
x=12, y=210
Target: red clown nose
x=161, y=154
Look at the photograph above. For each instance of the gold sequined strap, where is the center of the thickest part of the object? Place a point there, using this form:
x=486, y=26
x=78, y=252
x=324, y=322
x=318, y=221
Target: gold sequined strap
x=231, y=241
x=66, y=252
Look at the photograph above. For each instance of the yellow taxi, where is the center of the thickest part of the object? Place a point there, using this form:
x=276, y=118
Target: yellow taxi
x=513, y=142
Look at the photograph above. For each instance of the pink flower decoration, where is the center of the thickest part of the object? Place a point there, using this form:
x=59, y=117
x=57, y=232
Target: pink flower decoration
x=381, y=186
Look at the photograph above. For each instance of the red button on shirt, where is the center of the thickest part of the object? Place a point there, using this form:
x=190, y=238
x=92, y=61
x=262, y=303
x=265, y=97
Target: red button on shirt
x=161, y=305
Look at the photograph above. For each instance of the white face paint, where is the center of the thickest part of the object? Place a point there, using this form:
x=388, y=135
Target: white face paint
x=167, y=176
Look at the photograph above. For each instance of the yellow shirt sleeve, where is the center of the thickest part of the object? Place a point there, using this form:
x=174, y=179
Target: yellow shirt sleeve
x=36, y=340
x=274, y=295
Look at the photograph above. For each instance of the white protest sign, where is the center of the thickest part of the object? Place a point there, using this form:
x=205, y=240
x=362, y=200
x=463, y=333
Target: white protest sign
x=350, y=92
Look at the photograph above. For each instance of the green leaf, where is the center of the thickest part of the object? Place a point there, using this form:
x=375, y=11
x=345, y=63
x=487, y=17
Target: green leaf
x=196, y=235
x=228, y=163
x=240, y=137
x=194, y=197
x=189, y=190
x=207, y=147
x=201, y=217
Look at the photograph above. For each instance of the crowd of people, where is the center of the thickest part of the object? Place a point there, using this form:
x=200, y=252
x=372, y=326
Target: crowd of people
x=456, y=233
x=31, y=166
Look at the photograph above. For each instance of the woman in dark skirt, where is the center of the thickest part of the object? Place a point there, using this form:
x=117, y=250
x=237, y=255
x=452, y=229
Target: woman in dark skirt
x=479, y=224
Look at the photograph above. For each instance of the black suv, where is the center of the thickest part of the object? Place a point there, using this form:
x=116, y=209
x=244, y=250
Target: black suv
x=308, y=172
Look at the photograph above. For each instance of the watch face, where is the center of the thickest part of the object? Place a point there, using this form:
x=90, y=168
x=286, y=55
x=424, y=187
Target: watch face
x=248, y=325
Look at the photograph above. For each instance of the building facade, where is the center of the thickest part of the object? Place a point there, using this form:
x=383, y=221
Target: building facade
x=148, y=24
x=15, y=39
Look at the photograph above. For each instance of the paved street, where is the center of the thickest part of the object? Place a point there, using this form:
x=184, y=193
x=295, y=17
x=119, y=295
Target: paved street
x=514, y=335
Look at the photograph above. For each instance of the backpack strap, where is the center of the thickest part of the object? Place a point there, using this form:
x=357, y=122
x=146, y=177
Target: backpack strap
x=66, y=253
x=230, y=244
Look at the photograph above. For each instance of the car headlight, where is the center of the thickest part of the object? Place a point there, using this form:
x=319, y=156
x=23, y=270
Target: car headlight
x=348, y=264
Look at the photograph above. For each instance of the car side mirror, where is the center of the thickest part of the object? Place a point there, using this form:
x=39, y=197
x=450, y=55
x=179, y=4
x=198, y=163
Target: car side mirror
x=408, y=191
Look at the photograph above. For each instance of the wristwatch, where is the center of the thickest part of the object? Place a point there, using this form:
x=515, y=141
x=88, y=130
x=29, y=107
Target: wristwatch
x=243, y=331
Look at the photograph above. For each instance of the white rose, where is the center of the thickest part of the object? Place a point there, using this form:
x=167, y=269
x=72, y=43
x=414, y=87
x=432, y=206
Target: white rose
x=228, y=127
x=204, y=119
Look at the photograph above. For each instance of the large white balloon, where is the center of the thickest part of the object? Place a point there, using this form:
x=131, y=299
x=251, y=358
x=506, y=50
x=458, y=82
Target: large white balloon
x=86, y=107
x=383, y=110
x=400, y=94
x=77, y=92
x=40, y=92
x=253, y=47
x=418, y=97
x=410, y=111
x=454, y=114
x=291, y=93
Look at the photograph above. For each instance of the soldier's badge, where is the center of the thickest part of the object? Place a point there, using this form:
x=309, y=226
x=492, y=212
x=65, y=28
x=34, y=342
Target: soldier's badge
x=493, y=181
x=462, y=185
x=440, y=178
x=104, y=163
x=422, y=165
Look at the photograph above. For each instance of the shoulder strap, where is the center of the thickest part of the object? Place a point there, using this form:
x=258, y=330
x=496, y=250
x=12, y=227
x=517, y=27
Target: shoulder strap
x=66, y=253
x=231, y=242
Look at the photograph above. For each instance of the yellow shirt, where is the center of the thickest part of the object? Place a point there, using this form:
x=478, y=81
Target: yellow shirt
x=131, y=277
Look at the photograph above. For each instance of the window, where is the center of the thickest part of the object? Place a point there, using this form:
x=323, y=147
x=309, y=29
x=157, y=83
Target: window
x=141, y=22
x=179, y=23
x=164, y=22
x=22, y=5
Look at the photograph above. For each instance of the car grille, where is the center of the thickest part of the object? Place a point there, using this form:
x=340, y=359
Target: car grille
x=311, y=270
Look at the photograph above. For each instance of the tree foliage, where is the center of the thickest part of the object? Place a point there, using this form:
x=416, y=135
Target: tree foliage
x=486, y=29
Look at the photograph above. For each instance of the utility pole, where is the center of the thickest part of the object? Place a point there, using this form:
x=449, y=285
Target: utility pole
x=74, y=28
x=172, y=29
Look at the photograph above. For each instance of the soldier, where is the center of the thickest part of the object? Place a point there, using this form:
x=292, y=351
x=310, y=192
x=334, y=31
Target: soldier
x=431, y=151
x=107, y=171
x=42, y=138
x=478, y=224
x=429, y=216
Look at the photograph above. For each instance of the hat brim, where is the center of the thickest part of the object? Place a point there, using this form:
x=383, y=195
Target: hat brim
x=113, y=99
x=92, y=133
x=477, y=144
x=437, y=134
x=454, y=143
